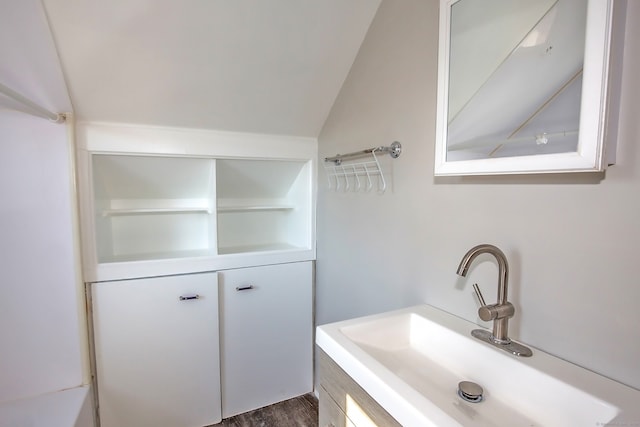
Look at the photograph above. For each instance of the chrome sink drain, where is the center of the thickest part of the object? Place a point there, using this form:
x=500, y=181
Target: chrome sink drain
x=469, y=391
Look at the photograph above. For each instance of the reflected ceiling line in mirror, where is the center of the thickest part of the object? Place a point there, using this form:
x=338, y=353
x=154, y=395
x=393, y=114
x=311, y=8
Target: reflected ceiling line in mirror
x=547, y=102
x=518, y=44
x=539, y=139
x=538, y=111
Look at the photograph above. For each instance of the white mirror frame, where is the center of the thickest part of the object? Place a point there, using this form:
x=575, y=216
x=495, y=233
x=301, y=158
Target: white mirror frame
x=598, y=109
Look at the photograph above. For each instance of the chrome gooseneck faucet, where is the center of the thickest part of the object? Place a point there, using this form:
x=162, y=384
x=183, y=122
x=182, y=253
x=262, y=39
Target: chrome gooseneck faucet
x=499, y=312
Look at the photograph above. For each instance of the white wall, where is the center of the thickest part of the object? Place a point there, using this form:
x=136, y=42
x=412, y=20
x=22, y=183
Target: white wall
x=572, y=240
x=40, y=340
x=39, y=324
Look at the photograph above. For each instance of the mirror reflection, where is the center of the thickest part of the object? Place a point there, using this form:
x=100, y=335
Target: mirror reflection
x=515, y=77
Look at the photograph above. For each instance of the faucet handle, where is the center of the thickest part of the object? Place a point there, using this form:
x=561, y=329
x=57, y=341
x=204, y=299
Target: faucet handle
x=494, y=311
x=479, y=294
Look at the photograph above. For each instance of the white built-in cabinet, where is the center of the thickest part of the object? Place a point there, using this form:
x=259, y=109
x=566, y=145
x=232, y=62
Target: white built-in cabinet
x=198, y=251
x=266, y=351
x=157, y=351
x=165, y=201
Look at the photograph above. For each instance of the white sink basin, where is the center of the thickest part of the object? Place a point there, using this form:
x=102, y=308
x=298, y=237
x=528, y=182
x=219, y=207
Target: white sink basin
x=412, y=360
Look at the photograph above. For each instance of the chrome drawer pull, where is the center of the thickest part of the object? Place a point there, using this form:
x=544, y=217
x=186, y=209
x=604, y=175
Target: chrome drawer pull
x=188, y=297
x=244, y=288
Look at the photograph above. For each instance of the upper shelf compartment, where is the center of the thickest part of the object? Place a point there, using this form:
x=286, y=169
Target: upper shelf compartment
x=140, y=182
x=151, y=207
x=263, y=205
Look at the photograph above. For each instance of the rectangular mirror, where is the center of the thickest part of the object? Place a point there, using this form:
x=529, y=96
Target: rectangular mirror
x=526, y=86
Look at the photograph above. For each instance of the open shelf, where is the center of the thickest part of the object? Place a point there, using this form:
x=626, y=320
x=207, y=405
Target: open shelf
x=153, y=207
x=257, y=248
x=233, y=209
x=160, y=201
x=149, y=256
x=156, y=211
x=263, y=205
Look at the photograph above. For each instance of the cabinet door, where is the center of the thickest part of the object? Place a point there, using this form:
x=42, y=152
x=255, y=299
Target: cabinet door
x=355, y=407
x=157, y=351
x=329, y=413
x=266, y=335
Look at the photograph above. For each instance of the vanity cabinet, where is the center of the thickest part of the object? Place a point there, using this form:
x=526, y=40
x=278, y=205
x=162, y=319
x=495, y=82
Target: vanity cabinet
x=343, y=403
x=157, y=351
x=266, y=330
x=330, y=414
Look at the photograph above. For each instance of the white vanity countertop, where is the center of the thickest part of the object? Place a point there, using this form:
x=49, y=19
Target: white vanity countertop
x=411, y=360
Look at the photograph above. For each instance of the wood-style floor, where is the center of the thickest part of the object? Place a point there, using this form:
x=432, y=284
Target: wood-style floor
x=298, y=412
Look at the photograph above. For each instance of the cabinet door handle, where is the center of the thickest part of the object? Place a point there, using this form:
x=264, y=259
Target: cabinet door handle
x=244, y=288
x=188, y=297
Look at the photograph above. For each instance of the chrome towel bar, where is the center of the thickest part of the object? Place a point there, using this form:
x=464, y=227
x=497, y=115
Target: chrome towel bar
x=394, y=151
x=356, y=176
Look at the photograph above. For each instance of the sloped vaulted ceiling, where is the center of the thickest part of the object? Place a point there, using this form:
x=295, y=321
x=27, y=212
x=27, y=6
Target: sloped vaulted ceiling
x=240, y=65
